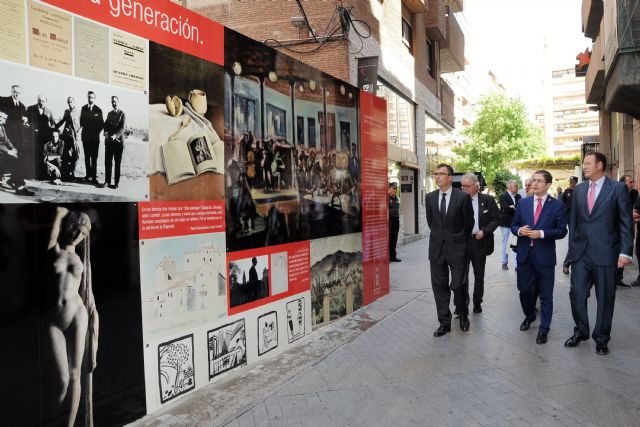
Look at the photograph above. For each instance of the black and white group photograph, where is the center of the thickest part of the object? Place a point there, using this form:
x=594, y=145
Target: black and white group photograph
x=69, y=140
x=248, y=280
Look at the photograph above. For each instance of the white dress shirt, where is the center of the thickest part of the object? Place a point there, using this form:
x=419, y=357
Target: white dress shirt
x=475, y=202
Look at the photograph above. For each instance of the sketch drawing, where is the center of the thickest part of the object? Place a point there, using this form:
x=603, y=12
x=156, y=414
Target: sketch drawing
x=175, y=368
x=267, y=332
x=295, y=319
x=279, y=273
x=227, y=348
x=183, y=281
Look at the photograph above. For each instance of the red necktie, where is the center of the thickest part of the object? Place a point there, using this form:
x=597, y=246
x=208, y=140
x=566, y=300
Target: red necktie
x=591, y=198
x=536, y=215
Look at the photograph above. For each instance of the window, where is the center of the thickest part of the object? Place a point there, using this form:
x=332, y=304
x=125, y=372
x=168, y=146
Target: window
x=407, y=34
x=431, y=59
x=400, y=118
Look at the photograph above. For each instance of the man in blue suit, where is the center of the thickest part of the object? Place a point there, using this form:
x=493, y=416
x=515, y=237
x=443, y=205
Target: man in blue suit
x=600, y=241
x=538, y=222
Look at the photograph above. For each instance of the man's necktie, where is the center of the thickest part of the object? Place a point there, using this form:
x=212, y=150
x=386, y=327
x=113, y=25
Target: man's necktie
x=443, y=206
x=536, y=215
x=591, y=198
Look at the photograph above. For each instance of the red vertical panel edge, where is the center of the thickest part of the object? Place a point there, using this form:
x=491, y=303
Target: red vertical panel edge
x=158, y=20
x=375, y=216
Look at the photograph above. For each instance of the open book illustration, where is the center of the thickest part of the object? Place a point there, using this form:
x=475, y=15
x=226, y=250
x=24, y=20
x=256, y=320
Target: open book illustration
x=185, y=160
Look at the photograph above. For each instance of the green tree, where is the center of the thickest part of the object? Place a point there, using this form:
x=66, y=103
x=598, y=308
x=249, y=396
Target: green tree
x=501, y=134
x=500, y=181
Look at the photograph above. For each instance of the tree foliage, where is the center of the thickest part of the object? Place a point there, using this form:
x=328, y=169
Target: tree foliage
x=500, y=181
x=502, y=133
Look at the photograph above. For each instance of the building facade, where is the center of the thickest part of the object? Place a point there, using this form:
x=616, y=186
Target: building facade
x=567, y=121
x=413, y=43
x=612, y=82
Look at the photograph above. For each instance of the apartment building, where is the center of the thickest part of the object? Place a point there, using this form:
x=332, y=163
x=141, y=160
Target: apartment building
x=412, y=44
x=612, y=82
x=566, y=119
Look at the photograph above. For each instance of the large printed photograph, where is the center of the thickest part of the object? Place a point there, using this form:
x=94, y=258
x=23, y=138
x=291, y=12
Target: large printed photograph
x=64, y=139
x=186, y=126
x=292, y=154
x=70, y=309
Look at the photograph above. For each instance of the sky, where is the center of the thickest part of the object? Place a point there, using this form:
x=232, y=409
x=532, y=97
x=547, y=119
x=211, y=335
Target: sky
x=508, y=37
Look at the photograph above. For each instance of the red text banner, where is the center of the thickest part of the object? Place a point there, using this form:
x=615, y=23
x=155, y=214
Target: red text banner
x=161, y=21
x=278, y=272
x=375, y=208
x=169, y=219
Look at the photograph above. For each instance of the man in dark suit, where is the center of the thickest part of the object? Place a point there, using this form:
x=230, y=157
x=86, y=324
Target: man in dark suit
x=114, y=137
x=538, y=222
x=450, y=219
x=16, y=130
x=486, y=220
x=42, y=124
x=600, y=240
x=567, y=194
x=508, y=202
x=92, y=123
x=394, y=221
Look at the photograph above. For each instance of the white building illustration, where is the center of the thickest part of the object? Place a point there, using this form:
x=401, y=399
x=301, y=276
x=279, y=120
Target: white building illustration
x=199, y=283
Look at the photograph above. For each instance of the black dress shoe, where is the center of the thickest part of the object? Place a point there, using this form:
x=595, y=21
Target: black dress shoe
x=23, y=191
x=395, y=260
x=442, y=330
x=101, y=185
x=477, y=308
x=526, y=324
x=574, y=340
x=622, y=285
x=541, y=338
x=635, y=283
x=114, y=186
x=602, y=349
x=464, y=322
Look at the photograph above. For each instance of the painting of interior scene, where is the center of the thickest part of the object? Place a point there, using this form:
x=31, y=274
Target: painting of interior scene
x=292, y=154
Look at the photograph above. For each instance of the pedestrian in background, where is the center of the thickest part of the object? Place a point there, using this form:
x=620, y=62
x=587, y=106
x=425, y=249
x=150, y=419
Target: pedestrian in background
x=567, y=194
x=394, y=221
x=508, y=201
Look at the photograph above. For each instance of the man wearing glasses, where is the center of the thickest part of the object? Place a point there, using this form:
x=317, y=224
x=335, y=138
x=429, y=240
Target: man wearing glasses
x=485, y=222
x=450, y=219
x=538, y=222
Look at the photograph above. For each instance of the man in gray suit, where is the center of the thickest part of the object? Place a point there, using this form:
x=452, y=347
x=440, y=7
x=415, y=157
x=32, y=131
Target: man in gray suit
x=450, y=219
x=600, y=240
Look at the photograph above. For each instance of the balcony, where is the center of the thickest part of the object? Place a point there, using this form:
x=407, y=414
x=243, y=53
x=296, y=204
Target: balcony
x=415, y=6
x=454, y=5
x=447, y=99
x=452, y=47
x=622, y=56
x=592, y=11
x=436, y=21
x=594, y=80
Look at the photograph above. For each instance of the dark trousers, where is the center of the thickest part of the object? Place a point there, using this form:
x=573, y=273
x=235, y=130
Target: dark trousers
x=584, y=273
x=442, y=289
x=112, y=153
x=90, y=156
x=394, y=228
x=531, y=273
x=477, y=260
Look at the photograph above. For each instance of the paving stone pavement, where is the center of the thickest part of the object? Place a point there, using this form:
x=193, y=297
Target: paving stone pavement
x=382, y=366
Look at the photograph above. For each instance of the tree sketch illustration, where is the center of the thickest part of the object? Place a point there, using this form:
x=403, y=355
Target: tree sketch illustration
x=227, y=348
x=175, y=364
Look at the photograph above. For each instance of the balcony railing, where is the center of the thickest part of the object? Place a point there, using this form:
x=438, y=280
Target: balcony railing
x=436, y=20
x=447, y=98
x=594, y=80
x=592, y=11
x=452, y=47
x=416, y=6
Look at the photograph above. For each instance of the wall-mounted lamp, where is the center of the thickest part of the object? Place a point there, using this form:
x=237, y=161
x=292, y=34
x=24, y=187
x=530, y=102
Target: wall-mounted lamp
x=350, y=95
x=273, y=77
x=342, y=89
x=312, y=85
x=237, y=68
x=301, y=87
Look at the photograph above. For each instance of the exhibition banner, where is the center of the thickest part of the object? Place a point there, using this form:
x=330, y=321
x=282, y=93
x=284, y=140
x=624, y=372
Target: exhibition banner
x=375, y=217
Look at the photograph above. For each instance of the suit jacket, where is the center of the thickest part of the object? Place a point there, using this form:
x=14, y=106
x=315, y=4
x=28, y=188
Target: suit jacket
x=449, y=240
x=41, y=123
x=606, y=232
x=91, y=122
x=115, y=125
x=506, y=213
x=552, y=222
x=14, y=126
x=489, y=220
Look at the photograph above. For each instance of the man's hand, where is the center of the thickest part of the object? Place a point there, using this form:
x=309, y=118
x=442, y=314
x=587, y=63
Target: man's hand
x=622, y=261
x=479, y=235
x=13, y=153
x=524, y=231
x=535, y=234
x=636, y=215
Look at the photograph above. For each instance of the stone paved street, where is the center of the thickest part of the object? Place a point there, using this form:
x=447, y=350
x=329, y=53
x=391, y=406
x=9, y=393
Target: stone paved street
x=383, y=367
